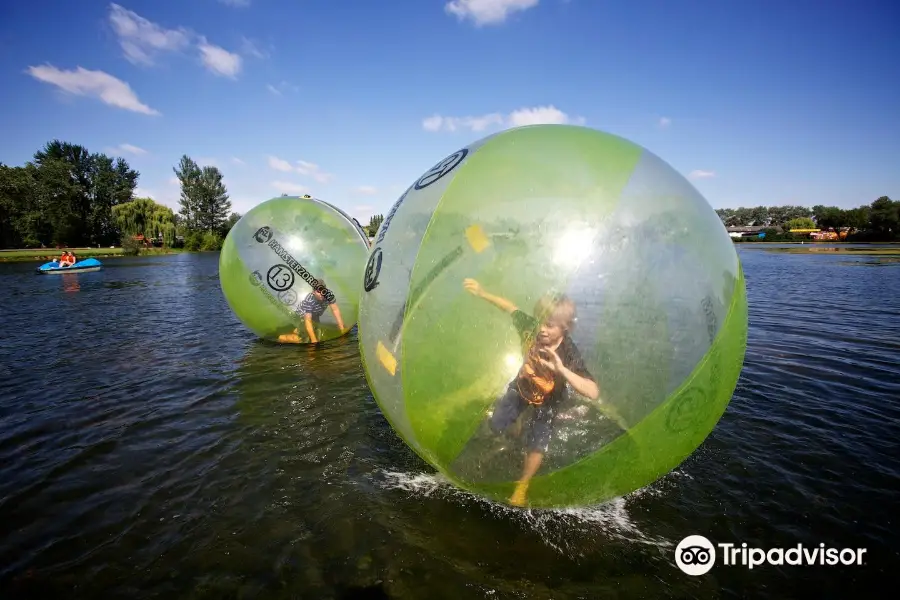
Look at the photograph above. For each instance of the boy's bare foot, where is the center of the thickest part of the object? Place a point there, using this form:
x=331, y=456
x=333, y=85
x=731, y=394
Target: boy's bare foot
x=519, y=494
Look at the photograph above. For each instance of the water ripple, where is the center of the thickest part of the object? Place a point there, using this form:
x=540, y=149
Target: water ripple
x=151, y=448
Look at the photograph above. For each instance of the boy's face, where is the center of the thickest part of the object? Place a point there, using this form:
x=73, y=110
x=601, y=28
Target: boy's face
x=318, y=294
x=552, y=330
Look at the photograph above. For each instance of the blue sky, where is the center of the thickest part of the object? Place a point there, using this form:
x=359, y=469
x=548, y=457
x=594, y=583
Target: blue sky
x=758, y=102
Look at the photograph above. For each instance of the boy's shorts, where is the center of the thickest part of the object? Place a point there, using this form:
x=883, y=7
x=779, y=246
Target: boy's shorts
x=540, y=426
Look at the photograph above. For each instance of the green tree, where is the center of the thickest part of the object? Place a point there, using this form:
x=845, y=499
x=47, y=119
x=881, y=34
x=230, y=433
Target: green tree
x=375, y=222
x=66, y=171
x=63, y=196
x=831, y=217
x=233, y=218
x=17, y=208
x=204, y=198
x=114, y=183
x=800, y=223
x=143, y=216
x=884, y=217
x=857, y=218
x=188, y=174
x=214, y=206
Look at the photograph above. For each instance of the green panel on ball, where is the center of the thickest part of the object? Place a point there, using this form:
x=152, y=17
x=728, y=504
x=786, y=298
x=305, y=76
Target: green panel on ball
x=278, y=252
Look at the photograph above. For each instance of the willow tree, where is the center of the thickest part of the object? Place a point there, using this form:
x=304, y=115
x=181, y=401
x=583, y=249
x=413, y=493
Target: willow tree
x=143, y=216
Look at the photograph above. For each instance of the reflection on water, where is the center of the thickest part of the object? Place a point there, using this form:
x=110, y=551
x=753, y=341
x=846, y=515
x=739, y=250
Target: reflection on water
x=70, y=282
x=157, y=450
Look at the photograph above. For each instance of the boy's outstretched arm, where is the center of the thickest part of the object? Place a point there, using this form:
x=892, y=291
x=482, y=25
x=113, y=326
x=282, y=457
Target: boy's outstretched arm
x=337, y=316
x=307, y=318
x=474, y=288
x=584, y=386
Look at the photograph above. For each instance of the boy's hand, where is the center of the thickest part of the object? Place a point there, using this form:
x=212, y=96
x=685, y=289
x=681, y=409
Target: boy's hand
x=551, y=359
x=473, y=287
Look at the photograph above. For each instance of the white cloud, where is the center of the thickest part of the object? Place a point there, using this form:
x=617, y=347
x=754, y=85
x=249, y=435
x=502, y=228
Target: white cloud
x=287, y=187
x=541, y=115
x=129, y=149
x=701, y=174
x=93, y=84
x=487, y=12
x=174, y=181
x=366, y=190
x=143, y=193
x=235, y=160
x=280, y=164
x=236, y=3
x=523, y=116
x=665, y=122
x=313, y=170
x=249, y=48
x=282, y=87
x=218, y=60
x=439, y=123
x=141, y=39
x=303, y=168
x=206, y=161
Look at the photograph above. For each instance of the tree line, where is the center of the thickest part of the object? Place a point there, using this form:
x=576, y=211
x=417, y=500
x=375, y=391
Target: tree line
x=375, y=222
x=878, y=221
x=68, y=196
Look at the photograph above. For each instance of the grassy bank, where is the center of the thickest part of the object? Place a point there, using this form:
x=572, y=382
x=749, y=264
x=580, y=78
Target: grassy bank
x=46, y=254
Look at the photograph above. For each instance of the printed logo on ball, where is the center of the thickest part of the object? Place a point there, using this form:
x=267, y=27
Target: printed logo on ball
x=441, y=169
x=373, y=269
x=373, y=266
x=263, y=234
x=280, y=277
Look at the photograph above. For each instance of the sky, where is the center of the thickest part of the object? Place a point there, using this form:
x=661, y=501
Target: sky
x=757, y=102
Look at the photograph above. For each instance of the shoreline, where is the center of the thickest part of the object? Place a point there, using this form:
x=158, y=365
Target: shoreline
x=25, y=255
x=818, y=243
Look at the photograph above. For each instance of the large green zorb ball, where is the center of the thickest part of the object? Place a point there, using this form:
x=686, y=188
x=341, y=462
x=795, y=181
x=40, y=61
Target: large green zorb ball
x=282, y=250
x=659, y=292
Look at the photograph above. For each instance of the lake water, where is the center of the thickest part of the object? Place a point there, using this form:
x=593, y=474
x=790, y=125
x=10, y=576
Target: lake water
x=151, y=448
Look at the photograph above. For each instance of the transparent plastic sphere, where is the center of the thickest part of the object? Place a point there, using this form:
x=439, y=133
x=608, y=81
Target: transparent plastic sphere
x=555, y=297
x=291, y=270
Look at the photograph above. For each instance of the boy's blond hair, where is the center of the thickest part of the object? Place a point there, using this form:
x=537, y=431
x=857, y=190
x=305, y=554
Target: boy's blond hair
x=556, y=305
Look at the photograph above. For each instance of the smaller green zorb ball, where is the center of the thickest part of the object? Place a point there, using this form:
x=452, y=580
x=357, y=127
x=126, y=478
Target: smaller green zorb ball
x=291, y=270
x=484, y=262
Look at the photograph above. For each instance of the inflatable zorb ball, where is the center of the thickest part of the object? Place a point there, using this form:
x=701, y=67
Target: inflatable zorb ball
x=543, y=217
x=289, y=250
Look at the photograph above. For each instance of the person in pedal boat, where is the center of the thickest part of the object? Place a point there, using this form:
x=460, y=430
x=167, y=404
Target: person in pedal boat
x=551, y=360
x=67, y=259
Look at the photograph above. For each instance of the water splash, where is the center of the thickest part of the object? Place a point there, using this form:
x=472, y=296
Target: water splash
x=558, y=528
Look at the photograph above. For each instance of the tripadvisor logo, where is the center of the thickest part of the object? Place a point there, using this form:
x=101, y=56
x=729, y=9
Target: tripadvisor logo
x=696, y=555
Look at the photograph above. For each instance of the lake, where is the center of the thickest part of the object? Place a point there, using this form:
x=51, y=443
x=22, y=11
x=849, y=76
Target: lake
x=150, y=447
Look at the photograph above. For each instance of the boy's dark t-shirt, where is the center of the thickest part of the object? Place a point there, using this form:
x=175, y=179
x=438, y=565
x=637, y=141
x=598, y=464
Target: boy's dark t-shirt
x=568, y=352
x=313, y=307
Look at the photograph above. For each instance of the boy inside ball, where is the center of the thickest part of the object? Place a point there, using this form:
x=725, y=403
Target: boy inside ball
x=312, y=308
x=551, y=361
